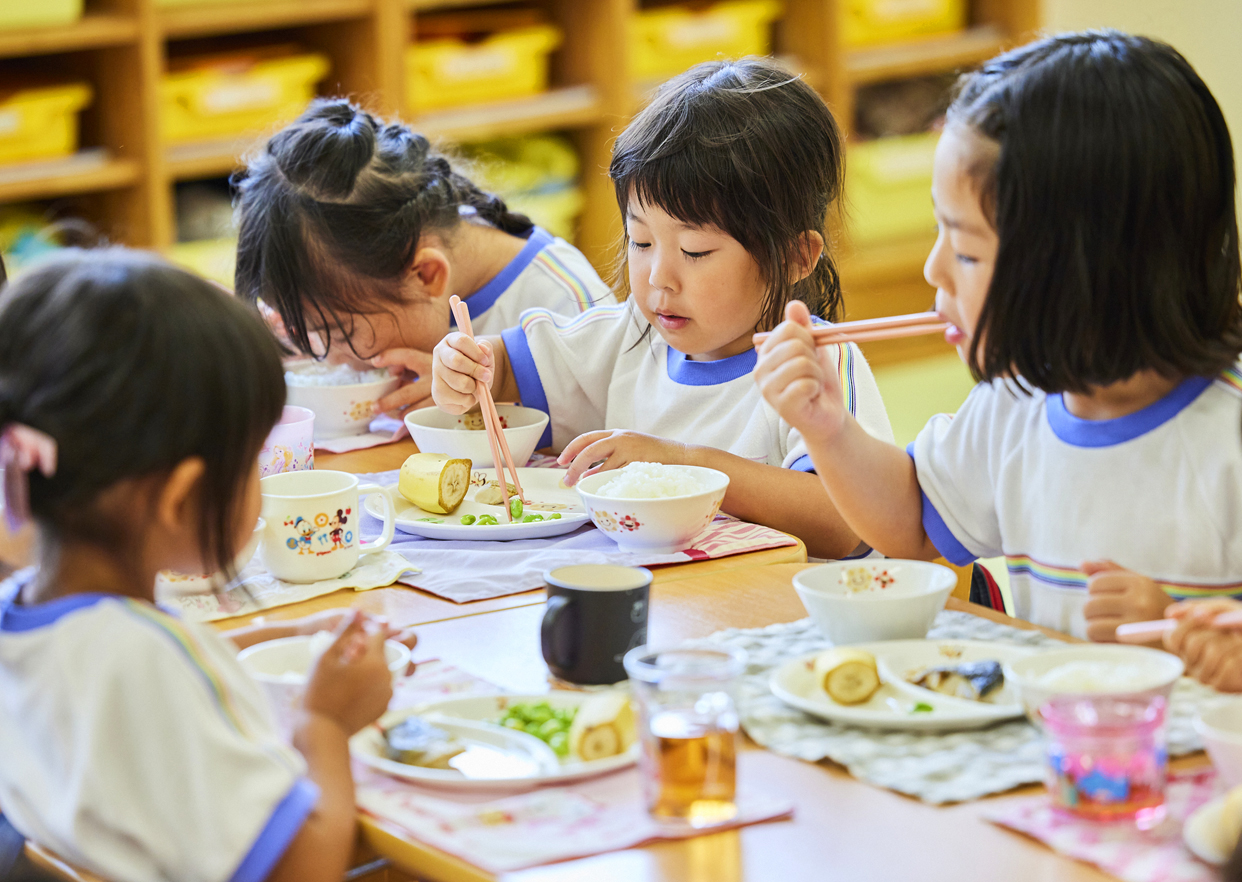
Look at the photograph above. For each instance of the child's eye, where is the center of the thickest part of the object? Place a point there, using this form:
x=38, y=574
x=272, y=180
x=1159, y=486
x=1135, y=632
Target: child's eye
x=639, y=245
x=966, y=260
x=695, y=255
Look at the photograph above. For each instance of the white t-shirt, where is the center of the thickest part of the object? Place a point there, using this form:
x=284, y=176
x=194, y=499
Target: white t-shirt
x=1158, y=491
x=594, y=371
x=549, y=273
x=134, y=745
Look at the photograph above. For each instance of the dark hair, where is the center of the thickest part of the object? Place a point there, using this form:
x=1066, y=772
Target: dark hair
x=132, y=365
x=331, y=212
x=748, y=148
x=1112, y=194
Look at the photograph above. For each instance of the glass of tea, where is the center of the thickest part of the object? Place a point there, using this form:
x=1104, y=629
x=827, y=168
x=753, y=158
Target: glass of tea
x=688, y=730
x=1106, y=757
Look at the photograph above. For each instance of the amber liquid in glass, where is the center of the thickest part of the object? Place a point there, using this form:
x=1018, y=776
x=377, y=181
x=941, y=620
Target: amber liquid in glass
x=693, y=775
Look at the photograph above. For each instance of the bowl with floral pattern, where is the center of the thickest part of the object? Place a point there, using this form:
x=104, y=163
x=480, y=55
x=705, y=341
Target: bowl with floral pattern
x=651, y=507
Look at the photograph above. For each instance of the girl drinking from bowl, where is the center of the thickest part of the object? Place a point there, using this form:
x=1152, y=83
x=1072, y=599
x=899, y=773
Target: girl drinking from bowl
x=134, y=398
x=357, y=233
x=1088, y=262
x=724, y=182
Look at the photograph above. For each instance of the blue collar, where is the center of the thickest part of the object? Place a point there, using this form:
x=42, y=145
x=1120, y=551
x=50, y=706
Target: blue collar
x=1105, y=433
x=14, y=617
x=685, y=372
x=485, y=298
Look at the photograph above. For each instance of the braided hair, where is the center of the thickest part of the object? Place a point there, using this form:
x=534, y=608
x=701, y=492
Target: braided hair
x=332, y=210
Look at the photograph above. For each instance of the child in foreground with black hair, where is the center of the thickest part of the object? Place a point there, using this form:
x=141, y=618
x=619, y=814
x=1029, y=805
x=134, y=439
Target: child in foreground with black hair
x=724, y=181
x=357, y=233
x=134, y=398
x=1088, y=262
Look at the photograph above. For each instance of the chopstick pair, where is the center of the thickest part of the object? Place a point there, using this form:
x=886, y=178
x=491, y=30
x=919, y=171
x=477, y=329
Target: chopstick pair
x=1144, y=632
x=867, y=330
x=501, y=456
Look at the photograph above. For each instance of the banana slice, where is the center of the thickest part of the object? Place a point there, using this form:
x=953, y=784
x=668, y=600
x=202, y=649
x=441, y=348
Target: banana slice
x=434, y=482
x=849, y=676
x=1231, y=819
x=603, y=727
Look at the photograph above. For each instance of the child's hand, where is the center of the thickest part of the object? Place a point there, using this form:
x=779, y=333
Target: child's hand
x=350, y=683
x=800, y=379
x=458, y=365
x=601, y=451
x=1212, y=653
x=416, y=391
x=1117, y=596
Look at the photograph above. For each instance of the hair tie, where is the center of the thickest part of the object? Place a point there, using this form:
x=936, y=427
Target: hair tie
x=22, y=449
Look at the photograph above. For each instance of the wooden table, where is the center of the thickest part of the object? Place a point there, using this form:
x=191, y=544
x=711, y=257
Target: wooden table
x=842, y=828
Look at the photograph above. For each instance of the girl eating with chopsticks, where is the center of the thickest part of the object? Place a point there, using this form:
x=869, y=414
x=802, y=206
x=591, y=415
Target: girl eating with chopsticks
x=725, y=182
x=356, y=232
x=1088, y=263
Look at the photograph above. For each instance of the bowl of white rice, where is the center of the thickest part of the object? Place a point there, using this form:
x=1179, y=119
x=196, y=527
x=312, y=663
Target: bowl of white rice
x=1090, y=670
x=340, y=396
x=282, y=667
x=653, y=507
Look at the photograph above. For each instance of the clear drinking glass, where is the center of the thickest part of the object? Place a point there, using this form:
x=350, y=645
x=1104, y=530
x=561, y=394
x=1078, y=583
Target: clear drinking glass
x=688, y=729
x=1106, y=757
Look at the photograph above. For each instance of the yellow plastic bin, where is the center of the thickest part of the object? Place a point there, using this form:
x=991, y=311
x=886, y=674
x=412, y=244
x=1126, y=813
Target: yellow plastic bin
x=868, y=22
x=40, y=13
x=41, y=123
x=233, y=99
x=450, y=73
x=668, y=40
x=888, y=187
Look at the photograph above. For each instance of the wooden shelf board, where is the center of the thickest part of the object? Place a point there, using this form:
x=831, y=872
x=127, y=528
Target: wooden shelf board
x=927, y=56
x=428, y=5
x=86, y=172
x=880, y=262
x=566, y=108
x=89, y=32
x=207, y=159
x=197, y=21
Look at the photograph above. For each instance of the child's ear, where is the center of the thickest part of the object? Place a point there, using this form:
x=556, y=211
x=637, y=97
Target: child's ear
x=429, y=272
x=810, y=250
x=175, y=507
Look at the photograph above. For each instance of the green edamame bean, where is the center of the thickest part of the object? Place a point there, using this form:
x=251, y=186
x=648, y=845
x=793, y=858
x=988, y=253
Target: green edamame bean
x=515, y=507
x=467, y=519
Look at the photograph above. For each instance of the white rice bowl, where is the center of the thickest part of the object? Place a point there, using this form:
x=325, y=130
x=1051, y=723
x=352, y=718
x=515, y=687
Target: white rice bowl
x=318, y=373
x=653, y=480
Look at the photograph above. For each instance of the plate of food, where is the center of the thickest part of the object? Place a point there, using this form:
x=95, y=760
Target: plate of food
x=920, y=685
x=453, y=754
x=443, y=498
x=1212, y=830
x=590, y=733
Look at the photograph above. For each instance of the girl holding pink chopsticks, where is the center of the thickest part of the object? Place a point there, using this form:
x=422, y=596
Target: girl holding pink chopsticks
x=724, y=182
x=1088, y=266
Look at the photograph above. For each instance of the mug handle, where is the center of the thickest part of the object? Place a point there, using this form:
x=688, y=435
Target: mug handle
x=551, y=615
x=390, y=517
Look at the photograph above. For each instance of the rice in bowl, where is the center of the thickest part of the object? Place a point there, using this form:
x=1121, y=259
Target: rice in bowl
x=653, y=480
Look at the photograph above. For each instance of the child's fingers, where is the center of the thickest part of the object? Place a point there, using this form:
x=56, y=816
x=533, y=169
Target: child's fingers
x=1108, y=583
x=411, y=396
x=414, y=360
x=796, y=311
x=473, y=349
x=597, y=457
x=576, y=446
x=1091, y=567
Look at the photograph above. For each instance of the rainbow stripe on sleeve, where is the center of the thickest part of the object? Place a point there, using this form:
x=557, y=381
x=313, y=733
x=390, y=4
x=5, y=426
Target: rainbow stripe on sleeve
x=564, y=323
x=1232, y=378
x=573, y=284
x=845, y=369
x=1071, y=577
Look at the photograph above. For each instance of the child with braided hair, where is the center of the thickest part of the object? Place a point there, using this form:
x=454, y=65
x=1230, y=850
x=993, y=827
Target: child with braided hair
x=357, y=232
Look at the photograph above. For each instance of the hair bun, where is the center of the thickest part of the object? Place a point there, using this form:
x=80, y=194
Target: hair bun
x=326, y=148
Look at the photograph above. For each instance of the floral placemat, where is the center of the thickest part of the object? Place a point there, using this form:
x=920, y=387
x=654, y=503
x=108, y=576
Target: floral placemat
x=936, y=767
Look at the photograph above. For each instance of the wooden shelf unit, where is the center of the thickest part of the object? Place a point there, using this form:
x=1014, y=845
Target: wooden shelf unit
x=122, y=45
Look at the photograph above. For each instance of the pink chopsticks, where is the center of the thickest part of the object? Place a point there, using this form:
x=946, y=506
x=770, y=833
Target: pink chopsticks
x=1145, y=632
x=501, y=456
x=868, y=330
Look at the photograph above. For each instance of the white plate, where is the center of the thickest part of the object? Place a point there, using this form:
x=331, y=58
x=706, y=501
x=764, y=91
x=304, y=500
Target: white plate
x=1202, y=834
x=541, y=486
x=490, y=708
x=890, y=707
x=528, y=759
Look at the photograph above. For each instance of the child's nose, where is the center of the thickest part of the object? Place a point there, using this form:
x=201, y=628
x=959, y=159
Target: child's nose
x=933, y=267
x=662, y=276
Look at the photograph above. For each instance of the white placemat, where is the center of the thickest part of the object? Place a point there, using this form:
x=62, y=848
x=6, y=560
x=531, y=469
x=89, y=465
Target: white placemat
x=935, y=767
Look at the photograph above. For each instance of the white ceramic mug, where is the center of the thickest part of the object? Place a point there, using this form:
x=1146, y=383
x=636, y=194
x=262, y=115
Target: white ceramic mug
x=312, y=524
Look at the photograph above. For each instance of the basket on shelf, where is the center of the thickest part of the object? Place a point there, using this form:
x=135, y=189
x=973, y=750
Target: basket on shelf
x=667, y=40
x=41, y=13
x=219, y=98
x=41, y=123
x=887, y=187
x=536, y=175
x=450, y=72
x=868, y=22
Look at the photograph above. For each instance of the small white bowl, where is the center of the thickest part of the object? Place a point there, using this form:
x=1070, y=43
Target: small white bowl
x=339, y=410
x=859, y=601
x=435, y=431
x=658, y=526
x=1165, y=669
x=1220, y=726
x=169, y=584
x=282, y=668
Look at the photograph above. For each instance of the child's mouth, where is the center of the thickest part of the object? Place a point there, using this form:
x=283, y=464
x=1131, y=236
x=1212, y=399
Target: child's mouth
x=954, y=336
x=671, y=322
